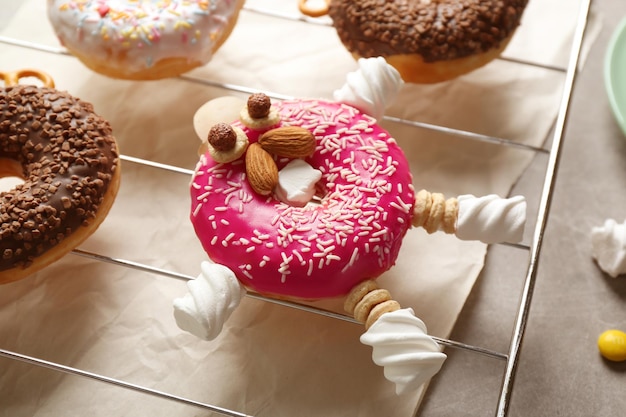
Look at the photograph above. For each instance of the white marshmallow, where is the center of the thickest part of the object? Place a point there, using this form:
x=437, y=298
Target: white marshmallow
x=296, y=183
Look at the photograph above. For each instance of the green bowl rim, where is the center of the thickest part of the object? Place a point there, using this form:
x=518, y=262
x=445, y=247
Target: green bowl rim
x=618, y=34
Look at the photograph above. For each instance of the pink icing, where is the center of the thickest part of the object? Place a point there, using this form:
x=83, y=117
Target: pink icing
x=325, y=248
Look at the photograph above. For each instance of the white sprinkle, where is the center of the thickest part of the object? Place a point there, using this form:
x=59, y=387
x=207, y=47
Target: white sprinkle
x=204, y=195
x=299, y=256
x=332, y=257
x=286, y=259
x=197, y=210
x=227, y=239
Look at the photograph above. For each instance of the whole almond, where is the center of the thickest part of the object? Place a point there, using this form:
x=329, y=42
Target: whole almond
x=289, y=142
x=261, y=170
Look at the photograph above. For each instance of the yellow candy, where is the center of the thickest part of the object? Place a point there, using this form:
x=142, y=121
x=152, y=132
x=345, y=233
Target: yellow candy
x=612, y=345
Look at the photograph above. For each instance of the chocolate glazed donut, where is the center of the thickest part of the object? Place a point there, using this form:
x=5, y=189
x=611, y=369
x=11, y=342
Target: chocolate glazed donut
x=427, y=41
x=68, y=159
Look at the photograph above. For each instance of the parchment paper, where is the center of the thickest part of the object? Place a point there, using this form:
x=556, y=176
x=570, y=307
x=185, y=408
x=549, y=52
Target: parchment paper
x=269, y=360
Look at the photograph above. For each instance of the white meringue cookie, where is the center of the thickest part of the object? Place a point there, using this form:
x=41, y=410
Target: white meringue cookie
x=212, y=298
x=608, y=245
x=401, y=345
x=370, y=88
x=491, y=219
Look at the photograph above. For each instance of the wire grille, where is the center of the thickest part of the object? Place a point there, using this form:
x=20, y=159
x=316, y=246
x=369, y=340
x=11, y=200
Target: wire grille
x=509, y=358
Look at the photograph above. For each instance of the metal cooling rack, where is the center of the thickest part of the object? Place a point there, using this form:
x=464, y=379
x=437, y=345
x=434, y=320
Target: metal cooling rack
x=510, y=358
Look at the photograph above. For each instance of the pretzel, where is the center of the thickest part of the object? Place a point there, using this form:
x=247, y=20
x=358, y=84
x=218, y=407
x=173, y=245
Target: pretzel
x=13, y=78
x=306, y=8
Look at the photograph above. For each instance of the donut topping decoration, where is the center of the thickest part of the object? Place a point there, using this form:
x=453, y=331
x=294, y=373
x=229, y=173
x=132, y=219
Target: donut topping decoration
x=261, y=170
x=288, y=142
x=225, y=143
x=222, y=137
x=371, y=87
x=399, y=339
x=259, y=105
x=258, y=114
x=212, y=298
x=297, y=183
x=291, y=142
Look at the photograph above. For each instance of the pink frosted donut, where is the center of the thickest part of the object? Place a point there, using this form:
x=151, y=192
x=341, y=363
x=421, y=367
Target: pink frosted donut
x=324, y=248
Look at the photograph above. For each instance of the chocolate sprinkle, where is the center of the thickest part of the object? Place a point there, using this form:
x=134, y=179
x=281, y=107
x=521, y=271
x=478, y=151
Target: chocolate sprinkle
x=67, y=155
x=437, y=30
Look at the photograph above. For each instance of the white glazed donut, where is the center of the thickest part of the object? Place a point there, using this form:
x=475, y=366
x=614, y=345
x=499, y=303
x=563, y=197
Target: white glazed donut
x=143, y=39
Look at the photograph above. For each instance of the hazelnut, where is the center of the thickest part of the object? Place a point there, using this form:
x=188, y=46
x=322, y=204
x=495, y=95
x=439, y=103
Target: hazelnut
x=222, y=137
x=259, y=105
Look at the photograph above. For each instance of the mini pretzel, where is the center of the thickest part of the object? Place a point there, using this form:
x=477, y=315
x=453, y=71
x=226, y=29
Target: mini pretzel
x=433, y=212
x=13, y=78
x=306, y=9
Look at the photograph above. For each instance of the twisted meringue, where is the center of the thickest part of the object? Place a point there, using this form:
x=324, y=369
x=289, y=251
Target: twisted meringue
x=491, y=219
x=410, y=357
x=370, y=88
x=212, y=298
x=608, y=245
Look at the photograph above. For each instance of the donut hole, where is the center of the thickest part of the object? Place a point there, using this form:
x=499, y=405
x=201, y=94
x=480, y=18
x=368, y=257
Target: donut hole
x=10, y=175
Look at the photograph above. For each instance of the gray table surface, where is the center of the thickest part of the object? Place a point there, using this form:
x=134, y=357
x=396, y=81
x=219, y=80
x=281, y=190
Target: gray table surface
x=560, y=372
